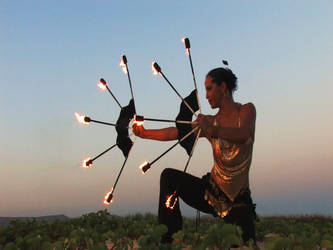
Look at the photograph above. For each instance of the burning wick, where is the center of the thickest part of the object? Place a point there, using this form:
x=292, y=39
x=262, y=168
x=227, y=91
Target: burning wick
x=87, y=163
x=123, y=64
x=139, y=120
x=82, y=118
x=155, y=68
x=187, y=42
x=145, y=166
x=108, y=198
x=138, y=123
x=86, y=120
x=171, y=201
x=102, y=84
x=187, y=45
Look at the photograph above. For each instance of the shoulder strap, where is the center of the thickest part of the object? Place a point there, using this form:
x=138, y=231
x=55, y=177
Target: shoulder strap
x=239, y=119
x=239, y=108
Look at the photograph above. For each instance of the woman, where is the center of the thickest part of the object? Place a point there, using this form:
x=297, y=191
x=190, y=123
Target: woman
x=225, y=190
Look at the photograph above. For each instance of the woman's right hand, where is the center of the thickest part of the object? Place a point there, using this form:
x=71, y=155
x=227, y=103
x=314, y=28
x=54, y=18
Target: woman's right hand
x=207, y=124
x=138, y=130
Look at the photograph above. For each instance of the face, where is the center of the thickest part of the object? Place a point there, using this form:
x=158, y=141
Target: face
x=214, y=92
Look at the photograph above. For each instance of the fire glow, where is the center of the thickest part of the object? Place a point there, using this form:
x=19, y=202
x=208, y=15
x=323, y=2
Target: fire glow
x=144, y=167
x=171, y=201
x=86, y=163
x=102, y=84
x=186, y=42
x=138, y=120
x=155, y=72
x=123, y=66
x=108, y=198
x=82, y=118
x=138, y=123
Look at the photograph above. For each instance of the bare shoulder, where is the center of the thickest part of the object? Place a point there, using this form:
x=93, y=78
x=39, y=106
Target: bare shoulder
x=248, y=109
x=248, y=116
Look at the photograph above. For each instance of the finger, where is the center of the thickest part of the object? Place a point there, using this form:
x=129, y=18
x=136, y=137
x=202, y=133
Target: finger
x=200, y=116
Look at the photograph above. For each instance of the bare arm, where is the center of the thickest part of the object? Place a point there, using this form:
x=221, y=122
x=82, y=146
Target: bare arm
x=235, y=135
x=164, y=134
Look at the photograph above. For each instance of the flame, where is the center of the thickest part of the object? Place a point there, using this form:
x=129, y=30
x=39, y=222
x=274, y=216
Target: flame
x=145, y=166
x=101, y=85
x=86, y=163
x=225, y=213
x=187, y=51
x=106, y=197
x=123, y=66
x=138, y=123
x=80, y=118
x=155, y=72
x=171, y=201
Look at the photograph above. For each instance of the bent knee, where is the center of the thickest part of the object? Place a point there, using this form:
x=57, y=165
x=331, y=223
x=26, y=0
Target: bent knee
x=168, y=173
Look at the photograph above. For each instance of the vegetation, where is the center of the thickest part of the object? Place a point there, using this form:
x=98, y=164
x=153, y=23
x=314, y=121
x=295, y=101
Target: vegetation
x=101, y=231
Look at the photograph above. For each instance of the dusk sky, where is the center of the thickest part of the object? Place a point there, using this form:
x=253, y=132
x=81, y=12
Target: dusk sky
x=52, y=54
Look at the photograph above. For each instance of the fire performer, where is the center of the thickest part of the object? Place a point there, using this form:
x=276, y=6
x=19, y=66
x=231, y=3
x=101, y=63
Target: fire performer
x=225, y=190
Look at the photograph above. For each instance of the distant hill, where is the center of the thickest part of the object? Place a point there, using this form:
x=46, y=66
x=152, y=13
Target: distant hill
x=5, y=220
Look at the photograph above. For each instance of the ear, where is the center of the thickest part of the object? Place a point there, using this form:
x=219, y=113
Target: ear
x=223, y=86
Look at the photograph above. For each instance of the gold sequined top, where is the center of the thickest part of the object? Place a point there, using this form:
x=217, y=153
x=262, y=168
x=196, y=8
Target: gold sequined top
x=230, y=173
x=231, y=166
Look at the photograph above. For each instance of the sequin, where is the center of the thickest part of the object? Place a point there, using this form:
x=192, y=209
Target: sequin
x=231, y=165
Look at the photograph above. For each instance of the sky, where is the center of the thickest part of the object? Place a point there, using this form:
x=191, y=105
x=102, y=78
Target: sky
x=52, y=54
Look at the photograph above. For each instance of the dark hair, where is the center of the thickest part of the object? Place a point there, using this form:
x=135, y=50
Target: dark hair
x=220, y=75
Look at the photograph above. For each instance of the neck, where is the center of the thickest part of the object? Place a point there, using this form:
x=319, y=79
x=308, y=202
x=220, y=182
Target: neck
x=227, y=106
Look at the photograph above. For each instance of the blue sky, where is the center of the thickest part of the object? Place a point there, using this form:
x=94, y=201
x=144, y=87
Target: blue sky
x=52, y=54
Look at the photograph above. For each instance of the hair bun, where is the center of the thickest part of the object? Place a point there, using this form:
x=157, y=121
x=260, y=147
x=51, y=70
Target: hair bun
x=226, y=75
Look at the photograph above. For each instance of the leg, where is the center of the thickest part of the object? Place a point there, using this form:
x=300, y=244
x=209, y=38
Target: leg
x=189, y=188
x=243, y=217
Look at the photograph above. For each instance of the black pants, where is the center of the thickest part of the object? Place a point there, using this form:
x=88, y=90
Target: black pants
x=191, y=190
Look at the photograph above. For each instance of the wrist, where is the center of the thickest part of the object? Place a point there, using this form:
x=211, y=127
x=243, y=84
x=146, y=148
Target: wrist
x=142, y=133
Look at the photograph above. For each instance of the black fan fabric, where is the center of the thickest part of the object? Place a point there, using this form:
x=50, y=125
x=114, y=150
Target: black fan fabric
x=123, y=140
x=185, y=114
